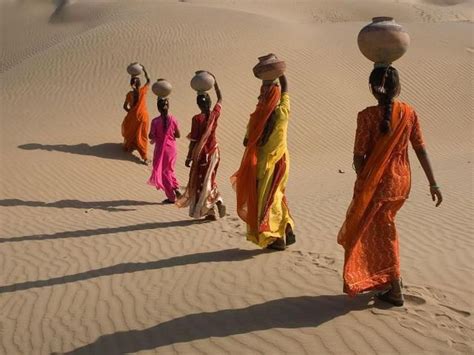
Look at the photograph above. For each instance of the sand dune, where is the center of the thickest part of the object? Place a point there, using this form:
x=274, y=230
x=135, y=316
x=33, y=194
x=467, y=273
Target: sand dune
x=93, y=263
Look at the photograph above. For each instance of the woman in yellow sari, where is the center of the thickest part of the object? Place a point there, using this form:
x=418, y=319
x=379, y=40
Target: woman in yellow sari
x=261, y=179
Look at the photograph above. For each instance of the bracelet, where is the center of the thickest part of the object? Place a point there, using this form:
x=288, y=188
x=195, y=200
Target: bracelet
x=434, y=187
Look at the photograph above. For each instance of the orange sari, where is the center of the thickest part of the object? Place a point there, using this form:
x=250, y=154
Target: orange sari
x=244, y=180
x=135, y=124
x=368, y=234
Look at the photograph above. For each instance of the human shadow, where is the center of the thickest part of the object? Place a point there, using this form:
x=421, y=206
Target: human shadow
x=110, y=206
x=125, y=268
x=286, y=313
x=104, y=231
x=106, y=150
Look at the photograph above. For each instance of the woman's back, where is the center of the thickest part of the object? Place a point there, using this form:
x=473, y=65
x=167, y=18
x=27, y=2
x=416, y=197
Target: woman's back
x=164, y=128
x=396, y=181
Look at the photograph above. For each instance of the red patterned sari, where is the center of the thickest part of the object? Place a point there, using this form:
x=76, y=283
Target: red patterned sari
x=202, y=194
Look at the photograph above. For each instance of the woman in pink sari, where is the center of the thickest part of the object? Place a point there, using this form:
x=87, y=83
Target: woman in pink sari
x=163, y=133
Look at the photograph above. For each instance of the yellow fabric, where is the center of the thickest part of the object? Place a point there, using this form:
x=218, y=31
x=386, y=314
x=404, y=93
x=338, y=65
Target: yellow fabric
x=268, y=155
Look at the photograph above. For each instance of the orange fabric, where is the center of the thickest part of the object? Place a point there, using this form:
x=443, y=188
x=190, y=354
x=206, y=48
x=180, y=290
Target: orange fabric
x=244, y=180
x=135, y=124
x=368, y=234
x=396, y=182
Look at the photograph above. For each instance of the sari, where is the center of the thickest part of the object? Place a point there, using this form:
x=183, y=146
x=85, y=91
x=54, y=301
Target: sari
x=261, y=179
x=201, y=193
x=163, y=177
x=135, y=124
x=368, y=235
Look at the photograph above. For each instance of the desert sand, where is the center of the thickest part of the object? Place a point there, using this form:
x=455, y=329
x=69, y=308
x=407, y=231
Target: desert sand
x=91, y=262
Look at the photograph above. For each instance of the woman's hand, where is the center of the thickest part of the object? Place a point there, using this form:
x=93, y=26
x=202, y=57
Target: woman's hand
x=436, y=195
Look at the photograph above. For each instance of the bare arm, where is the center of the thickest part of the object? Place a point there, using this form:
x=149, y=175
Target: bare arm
x=189, y=158
x=218, y=93
x=125, y=106
x=359, y=162
x=177, y=133
x=217, y=88
x=146, y=75
x=422, y=156
x=283, y=84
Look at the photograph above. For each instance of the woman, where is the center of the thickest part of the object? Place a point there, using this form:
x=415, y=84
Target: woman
x=163, y=133
x=202, y=194
x=261, y=179
x=135, y=124
x=368, y=235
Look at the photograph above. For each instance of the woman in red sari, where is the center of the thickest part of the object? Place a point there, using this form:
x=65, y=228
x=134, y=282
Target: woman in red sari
x=202, y=194
x=368, y=235
x=135, y=123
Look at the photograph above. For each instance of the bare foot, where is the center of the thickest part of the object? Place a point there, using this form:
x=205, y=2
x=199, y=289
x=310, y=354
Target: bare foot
x=278, y=244
x=394, y=295
x=221, y=209
x=389, y=297
x=290, y=236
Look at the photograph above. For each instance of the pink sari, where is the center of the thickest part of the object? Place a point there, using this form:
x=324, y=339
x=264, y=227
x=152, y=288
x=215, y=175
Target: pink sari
x=163, y=177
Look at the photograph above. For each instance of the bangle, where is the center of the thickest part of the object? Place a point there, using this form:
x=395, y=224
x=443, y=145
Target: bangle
x=434, y=187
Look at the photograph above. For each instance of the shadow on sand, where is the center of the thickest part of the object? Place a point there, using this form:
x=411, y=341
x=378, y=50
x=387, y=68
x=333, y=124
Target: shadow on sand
x=106, y=150
x=104, y=231
x=110, y=206
x=125, y=268
x=286, y=313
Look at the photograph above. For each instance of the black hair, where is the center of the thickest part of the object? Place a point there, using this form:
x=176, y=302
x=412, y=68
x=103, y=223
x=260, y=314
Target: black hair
x=385, y=85
x=133, y=78
x=202, y=99
x=165, y=117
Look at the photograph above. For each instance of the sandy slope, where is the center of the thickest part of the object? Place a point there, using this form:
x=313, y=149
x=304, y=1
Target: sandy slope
x=92, y=262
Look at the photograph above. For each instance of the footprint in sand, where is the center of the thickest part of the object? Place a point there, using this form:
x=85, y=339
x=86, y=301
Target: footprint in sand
x=459, y=311
x=321, y=261
x=414, y=300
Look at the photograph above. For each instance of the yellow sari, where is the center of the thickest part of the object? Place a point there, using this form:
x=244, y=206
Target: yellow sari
x=273, y=166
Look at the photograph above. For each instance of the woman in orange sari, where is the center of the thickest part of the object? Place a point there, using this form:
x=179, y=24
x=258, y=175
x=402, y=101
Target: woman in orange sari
x=368, y=235
x=135, y=124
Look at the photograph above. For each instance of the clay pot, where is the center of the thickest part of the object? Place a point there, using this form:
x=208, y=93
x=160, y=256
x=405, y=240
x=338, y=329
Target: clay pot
x=135, y=69
x=383, y=41
x=202, y=81
x=161, y=88
x=269, y=67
